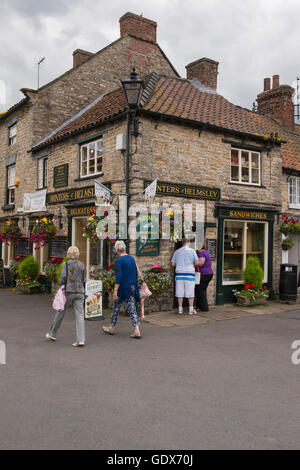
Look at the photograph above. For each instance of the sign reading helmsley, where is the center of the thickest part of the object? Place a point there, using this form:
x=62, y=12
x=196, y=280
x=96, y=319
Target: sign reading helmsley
x=186, y=190
x=71, y=195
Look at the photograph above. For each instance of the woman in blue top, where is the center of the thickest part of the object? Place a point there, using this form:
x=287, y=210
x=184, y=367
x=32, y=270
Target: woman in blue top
x=126, y=289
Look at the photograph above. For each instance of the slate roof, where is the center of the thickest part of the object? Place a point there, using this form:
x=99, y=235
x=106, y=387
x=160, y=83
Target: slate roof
x=184, y=99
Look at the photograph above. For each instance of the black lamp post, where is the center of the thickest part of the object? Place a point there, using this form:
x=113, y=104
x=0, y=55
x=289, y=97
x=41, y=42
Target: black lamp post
x=133, y=88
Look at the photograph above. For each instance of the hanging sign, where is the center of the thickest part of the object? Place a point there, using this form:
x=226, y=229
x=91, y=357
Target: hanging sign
x=102, y=194
x=35, y=202
x=150, y=191
x=93, y=299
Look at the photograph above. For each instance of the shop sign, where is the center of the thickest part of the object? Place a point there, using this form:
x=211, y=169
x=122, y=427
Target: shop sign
x=81, y=211
x=35, y=202
x=2, y=279
x=93, y=299
x=246, y=214
x=146, y=246
x=71, y=195
x=186, y=190
x=60, y=176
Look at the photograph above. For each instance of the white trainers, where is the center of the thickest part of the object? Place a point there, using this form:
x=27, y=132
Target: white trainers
x=191, y=312
x=50, y=338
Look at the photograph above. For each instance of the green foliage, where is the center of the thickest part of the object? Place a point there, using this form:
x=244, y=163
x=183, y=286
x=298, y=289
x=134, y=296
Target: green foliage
x=59, y=270
x=253, y=274
x=14, y=268
x=50, y=270
x=157, y=281
x=287, y=243
x=29, y=268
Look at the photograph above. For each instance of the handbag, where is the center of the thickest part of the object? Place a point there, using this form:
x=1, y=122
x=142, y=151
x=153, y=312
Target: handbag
x=144, y=293
x=197, y=278
x=59, y=299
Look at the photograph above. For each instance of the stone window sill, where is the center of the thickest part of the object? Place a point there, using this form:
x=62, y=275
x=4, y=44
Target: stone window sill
x=92, y=177
x=8, y=207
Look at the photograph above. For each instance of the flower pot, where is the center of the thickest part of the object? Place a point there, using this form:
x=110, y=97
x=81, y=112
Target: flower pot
x=243, y=300
x=28, y=290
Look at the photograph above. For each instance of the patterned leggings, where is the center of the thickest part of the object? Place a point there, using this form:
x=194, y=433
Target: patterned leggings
x=131, y=309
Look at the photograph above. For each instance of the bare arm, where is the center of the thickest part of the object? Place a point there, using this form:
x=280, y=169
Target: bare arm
x=201, y=261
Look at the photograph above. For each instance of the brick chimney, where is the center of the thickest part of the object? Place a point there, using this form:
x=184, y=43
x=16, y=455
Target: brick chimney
x=80, y=56
x=277, y=101
x=138, y=26
x=205, y=70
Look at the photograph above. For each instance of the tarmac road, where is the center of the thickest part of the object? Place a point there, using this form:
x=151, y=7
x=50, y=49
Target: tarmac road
x=224, y=385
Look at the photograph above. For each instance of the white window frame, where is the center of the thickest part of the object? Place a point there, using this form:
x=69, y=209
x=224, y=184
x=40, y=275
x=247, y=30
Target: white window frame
x=7, y=248
x=11, y=183
x=266, y=259
x=12, y=134
x=87, y=147
x=42, y=173
x=296, y=180
x=241, y=181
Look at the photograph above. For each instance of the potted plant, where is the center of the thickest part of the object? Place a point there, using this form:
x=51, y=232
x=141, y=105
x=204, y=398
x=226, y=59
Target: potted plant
x=108, y=278
x=159, y=281
x=287, y=243
x=254, y=293
x=28, y=277
x=50, y=270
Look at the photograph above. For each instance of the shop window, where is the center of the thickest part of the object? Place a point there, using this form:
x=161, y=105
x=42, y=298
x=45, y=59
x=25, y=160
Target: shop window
x=241, y=240
x=11, y=184
x=91, y=159
x=294, y=193
x=42, y=173
x=245, y=167
x=12, y=134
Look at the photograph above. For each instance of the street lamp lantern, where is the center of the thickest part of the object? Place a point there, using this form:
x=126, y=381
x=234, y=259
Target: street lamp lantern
x=133, y=88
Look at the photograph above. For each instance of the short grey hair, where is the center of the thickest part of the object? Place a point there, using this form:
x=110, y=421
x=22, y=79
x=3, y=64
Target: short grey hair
x=73, y=252
x=120, y=246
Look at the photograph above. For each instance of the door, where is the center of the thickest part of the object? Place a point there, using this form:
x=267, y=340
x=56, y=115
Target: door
x=91, y=254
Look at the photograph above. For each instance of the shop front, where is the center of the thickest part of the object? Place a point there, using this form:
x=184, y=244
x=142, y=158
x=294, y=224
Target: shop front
x=242, y=233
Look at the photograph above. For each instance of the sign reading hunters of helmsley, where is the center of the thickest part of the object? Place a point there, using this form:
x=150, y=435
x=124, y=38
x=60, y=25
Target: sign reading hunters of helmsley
x=186, y=190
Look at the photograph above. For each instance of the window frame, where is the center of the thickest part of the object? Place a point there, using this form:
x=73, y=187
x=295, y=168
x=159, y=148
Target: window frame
x=44, y=161
x=295, y=205
x=10, y=139
x=240, y=180
x=266, y=253
x=10, y=188
x=87, y=146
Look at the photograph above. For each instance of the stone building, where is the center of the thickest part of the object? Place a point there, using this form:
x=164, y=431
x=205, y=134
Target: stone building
x=231, y=164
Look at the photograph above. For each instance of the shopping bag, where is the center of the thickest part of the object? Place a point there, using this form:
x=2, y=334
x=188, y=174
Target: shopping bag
x=197, y=278
x=144, y=293
x=59, y=299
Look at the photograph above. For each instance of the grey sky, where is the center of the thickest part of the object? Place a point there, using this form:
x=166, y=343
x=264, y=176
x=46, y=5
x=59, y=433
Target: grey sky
x=251, y=39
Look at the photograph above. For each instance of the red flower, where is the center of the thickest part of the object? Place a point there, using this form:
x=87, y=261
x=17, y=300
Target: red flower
x=252, y=286
x=38, y=276
x=91, y=213
x=285, y=216
x=285, y=221
x=294, y=221
x=247, y=286
x=265, y=287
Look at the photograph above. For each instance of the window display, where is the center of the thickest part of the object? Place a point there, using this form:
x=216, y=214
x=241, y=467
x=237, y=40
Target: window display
x=241, y=240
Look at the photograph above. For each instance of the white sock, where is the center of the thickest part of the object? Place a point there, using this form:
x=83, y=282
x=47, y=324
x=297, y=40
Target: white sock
x=180, y=309
x=191, y=309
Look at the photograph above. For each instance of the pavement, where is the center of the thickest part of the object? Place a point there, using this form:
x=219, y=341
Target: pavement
x=216, y=385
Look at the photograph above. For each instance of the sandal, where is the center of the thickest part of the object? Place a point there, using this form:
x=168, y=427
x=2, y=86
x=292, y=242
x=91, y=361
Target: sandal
x=135, y=336
x=107, y=330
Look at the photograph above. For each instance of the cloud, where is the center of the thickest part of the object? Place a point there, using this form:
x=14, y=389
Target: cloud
x=251, y=40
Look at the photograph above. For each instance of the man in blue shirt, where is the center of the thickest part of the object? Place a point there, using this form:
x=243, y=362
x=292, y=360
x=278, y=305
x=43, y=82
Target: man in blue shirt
x=185, y=259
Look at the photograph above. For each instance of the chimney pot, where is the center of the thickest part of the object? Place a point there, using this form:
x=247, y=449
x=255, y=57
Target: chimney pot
x=138, y=26
x=267, y=84
x=275, y=81
x=205, y=70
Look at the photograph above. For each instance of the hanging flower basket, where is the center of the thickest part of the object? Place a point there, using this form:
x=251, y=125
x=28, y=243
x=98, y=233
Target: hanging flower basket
x=176, y=230
x=90, y=230
x=43, y=232
x=10, y=232
x=289, y=226
x=287, y=244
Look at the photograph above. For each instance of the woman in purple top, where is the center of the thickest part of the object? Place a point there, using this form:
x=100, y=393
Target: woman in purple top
x=206, y=276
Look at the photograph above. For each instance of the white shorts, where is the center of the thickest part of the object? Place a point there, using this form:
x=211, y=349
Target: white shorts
x=185, y=288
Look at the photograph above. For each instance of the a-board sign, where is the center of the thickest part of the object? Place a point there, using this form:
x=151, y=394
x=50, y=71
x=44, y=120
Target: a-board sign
x=211, y=247
x=93, y=299
x=2, y=278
